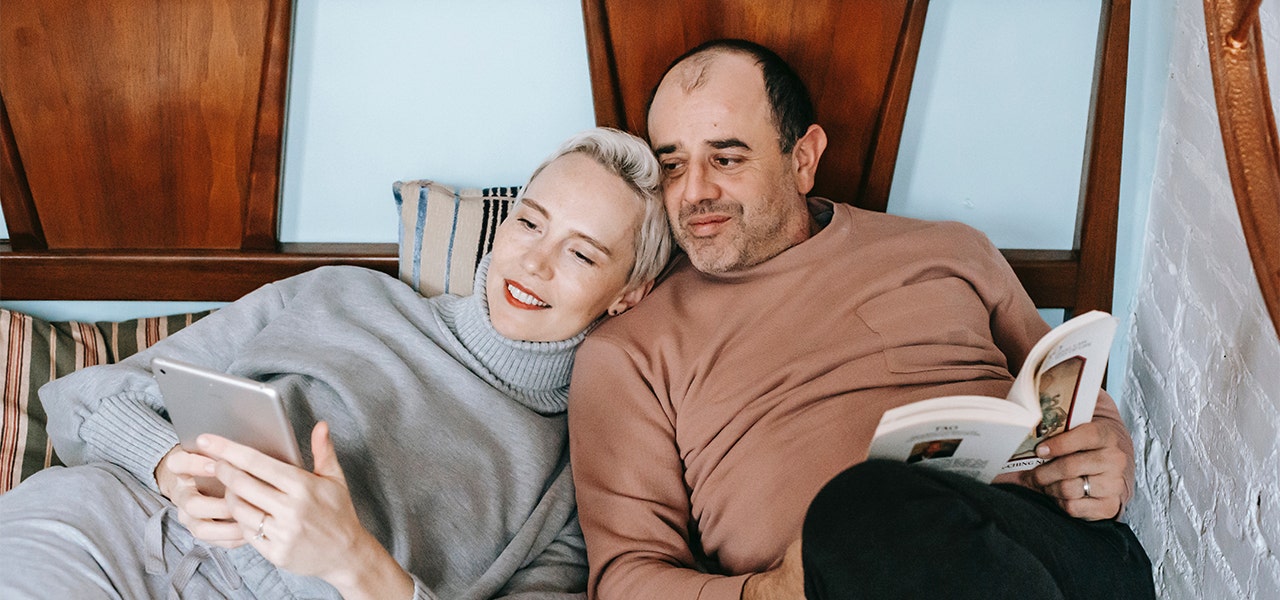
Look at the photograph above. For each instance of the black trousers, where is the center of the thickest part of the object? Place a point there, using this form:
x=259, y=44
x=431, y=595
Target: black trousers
x=883, y=530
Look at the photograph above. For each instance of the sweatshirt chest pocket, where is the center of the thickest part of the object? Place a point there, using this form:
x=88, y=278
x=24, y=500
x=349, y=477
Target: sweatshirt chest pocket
x=934, y=325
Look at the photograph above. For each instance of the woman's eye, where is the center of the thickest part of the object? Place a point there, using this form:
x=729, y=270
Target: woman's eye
x=526, y=223
x=584, y=258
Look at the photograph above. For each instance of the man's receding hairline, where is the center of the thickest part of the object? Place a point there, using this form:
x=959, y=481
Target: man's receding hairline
x=694, y=70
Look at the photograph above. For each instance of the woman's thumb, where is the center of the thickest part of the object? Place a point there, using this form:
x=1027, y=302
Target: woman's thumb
x=326, y=458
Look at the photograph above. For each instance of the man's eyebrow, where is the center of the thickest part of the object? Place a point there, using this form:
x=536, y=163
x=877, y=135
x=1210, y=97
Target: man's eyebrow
x=717, y=144
x=540, y=209
x=728, y=143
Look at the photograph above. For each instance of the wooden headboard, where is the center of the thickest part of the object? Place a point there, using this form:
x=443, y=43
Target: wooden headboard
x=858, y=58
x=220, y=106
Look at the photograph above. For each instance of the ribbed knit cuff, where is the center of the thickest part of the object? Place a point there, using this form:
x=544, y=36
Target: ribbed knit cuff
x=124, y=431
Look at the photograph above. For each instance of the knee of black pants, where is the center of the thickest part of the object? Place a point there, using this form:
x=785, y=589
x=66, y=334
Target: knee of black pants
x=872, y=490
x=886, y=503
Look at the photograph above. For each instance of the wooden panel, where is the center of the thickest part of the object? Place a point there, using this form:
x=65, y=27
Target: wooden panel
x=858, y=58
x=845, y=51
x=134, y=120
x=15, y=196
x=1099, y=206
x=211, y=275
x=1249, y=136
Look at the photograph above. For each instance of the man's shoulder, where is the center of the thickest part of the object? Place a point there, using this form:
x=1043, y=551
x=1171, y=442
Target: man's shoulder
x=656, y=310
x=868, y=226
x=891, y=224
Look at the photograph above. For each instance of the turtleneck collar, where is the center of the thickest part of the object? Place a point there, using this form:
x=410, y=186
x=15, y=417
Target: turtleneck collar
x=535, y=374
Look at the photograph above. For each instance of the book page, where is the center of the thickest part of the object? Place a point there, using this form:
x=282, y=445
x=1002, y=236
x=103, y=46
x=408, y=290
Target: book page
x=1067, y=381
x=1059, y=387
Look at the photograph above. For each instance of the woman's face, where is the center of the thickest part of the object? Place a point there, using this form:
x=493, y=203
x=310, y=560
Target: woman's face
x=562, y=258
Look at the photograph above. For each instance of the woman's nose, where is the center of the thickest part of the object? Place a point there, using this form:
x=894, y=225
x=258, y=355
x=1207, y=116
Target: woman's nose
x=537, y=260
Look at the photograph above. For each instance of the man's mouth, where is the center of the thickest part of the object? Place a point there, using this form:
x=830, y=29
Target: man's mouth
x=706, y=225
x=521, y=298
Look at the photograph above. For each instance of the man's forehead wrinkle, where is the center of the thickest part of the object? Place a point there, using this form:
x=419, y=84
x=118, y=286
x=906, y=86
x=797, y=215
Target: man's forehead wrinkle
x=692, y=74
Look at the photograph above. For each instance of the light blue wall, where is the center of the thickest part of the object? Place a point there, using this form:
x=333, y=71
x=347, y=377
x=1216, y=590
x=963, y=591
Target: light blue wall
x=1150, y=35
x=996, y=124
x=469, y=93
x=476, y=93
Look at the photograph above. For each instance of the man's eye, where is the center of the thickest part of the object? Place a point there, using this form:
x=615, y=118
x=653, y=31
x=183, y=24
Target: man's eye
x=584, y=258
x=727, y=161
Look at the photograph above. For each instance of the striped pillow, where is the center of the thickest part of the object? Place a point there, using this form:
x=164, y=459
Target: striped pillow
x=445, y=231
x=34, y=352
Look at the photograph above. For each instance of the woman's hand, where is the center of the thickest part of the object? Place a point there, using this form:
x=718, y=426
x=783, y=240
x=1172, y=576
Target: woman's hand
x=206, y=517
x=304, y=521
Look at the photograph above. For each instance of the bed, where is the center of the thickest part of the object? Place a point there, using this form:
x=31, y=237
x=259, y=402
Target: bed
x=83, y=228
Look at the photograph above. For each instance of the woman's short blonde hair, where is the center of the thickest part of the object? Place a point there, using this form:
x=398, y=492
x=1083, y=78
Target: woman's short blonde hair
x=630, y=158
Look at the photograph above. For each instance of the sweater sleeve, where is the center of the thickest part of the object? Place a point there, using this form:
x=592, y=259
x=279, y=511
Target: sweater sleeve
x=558, y=573
x=114, y=413
x=1016, y=326
x=559, y=569
x=632, y=499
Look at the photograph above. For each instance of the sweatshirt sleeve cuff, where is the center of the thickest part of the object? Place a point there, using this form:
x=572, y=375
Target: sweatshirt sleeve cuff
x=126, y=432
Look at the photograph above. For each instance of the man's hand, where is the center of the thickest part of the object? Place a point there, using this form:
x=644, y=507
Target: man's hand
x=206, y=517
x=1095, y=453
x=786, y=582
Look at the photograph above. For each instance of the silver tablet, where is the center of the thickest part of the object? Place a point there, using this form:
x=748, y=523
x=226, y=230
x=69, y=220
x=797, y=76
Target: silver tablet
x=200, y=400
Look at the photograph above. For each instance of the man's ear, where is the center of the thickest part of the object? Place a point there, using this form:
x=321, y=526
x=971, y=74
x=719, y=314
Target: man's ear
x=805, y=156
x=629, y=299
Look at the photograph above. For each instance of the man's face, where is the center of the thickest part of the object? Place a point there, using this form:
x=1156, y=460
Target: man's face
x=731, y=194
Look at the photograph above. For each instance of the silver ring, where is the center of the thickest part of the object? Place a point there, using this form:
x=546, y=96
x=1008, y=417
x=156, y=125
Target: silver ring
x=1084, y=477
x=262, y=536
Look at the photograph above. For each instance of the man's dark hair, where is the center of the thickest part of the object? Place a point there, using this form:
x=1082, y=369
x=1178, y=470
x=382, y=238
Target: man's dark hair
x=789, y=102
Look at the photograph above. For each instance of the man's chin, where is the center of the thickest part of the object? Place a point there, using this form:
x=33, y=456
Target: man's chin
x=713, y=260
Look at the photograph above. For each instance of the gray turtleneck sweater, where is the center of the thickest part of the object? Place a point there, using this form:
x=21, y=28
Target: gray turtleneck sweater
x=452, y=437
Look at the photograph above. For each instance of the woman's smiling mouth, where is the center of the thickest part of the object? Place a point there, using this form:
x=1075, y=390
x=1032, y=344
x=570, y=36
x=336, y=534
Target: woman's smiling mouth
x=521, y=298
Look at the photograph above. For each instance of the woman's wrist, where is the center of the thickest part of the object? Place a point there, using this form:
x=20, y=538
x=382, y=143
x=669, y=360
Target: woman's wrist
x=372, y=573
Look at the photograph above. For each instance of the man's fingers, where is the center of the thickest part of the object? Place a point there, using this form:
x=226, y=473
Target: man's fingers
x=1110, y=461
x=1088, y=436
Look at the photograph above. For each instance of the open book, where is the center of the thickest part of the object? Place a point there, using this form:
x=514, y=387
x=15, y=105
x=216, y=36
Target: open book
x=982, y=436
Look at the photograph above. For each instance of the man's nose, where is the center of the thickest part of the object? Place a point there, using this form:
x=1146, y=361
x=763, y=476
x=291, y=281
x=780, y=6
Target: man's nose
x=699, y=184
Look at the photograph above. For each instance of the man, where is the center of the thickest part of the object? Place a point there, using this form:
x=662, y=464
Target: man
x=705, y=424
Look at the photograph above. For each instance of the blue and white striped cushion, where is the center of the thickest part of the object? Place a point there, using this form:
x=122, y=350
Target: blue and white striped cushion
x=445, y=231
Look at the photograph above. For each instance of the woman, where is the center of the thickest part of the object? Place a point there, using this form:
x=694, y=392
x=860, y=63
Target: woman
x=437, y=425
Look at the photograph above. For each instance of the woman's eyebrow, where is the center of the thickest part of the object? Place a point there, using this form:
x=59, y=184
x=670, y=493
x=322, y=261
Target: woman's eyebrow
x=535, y=206
x=542, y=210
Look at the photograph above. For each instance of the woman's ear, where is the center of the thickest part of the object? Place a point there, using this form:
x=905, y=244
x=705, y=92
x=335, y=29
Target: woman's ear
x=629, y=299
x=805, y=156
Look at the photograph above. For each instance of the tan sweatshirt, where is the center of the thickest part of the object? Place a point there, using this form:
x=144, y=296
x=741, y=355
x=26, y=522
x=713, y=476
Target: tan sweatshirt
x=703, y=421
